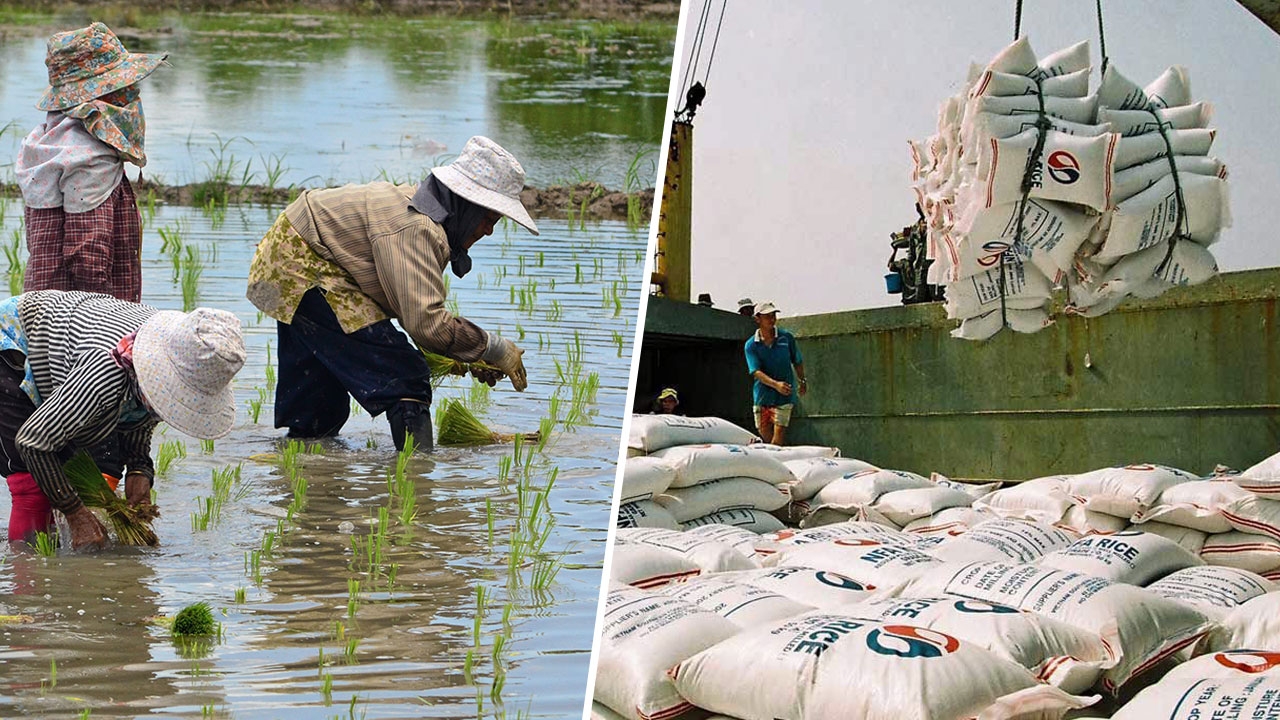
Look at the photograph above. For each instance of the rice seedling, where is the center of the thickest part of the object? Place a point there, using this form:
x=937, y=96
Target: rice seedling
x=270, y=370
x=504, y=469
x=274, y=169
x=459, y=427
x=206, y=447
x=488, y=515
x=353, y=597
x=442, y=366
x=466, y=665
x=255, y=405
x=520, y=272
x=132, y=524
x=355, y=408
x=84, y=714
x=206, y=711
x=240, y=595
x=17, y=268
x=619, y=341
x=478, y=396
x=482, y=599
x=326, y=688
x=555, y=312
x=192, y=268
x=577, y=273
x=349, y=650
x=53, y=672
x=169, y=452
x=520, y=331
x=45, y=544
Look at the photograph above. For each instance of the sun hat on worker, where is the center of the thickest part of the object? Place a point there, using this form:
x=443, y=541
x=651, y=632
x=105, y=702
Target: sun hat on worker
x=488, y=175
x=766, y=308
x=668, y=393
x=745, y=303
x=88, y=63
x=184, y=363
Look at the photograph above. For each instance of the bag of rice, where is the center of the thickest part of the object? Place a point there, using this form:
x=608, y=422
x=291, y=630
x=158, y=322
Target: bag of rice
x=757, y=521
x=1141, y=122
x=1227, y=664
x=1003, y=540
x=1059, y=654
x=1255, y=515
x=643, y=636
x=1139, y=627
x=715, y=496
x=1043, y=500
x=988, y=324
x=656, y=432
x=1262, y=478
x=990, y=82
x=743, y=605
x=789, y=453
x=1125, y=491
x=905, y=506
x=1135, y=558
x=1189, y=539
x=949, y=523
x=1214, y=591
x=1139, y=149
x=1071, y=169
x=1198, y=505
x=866, y=560
x=1025, y=288
x=1052, y=233
x=1172, y=88
x=1235, y=698
x=864, y=487
x=839, y=667
x=1255, y=624
x=820, y=515
x=812, y=586
x=710, y=555
x=645, y=514
x=644, y=477
x=1087, y=522
x=1149, y=218
x=976, y=489
x=813, y=474
x=699, y=463
x=1257, y=553
x=738, y=538
x=647, y=567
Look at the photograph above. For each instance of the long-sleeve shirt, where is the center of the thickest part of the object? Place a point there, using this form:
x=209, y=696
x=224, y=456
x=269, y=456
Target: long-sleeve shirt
x=83, y=391
x=386, y=251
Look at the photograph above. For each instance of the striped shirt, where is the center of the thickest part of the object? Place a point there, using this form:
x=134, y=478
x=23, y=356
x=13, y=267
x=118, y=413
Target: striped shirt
x=70, y=336
x=394, y=254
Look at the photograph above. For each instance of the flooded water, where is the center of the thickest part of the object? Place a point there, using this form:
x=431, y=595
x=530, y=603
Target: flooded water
x=92, y=617
x=324, y=100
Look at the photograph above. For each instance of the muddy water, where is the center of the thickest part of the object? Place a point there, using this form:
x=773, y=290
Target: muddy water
x=330, y=99
x=94, y=615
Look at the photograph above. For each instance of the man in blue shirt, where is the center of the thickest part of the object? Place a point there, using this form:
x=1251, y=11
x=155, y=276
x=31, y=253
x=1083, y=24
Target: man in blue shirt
x=771, y=354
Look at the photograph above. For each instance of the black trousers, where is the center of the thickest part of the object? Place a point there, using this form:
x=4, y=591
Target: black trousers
x=320, y=366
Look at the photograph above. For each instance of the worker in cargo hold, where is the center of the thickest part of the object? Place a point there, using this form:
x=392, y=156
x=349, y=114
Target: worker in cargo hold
x=340, y=263
x=667, y=402
x=773, y=359
x=78, y=367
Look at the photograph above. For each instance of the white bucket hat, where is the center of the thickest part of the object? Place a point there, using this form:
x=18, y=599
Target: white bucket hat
x=184, y=363
x=489, y=176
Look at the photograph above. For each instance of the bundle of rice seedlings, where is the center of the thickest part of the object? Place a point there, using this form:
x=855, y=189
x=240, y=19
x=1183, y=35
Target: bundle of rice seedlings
x=458, y=426
x=194, y=619
x=131, y=524
x=442, y=366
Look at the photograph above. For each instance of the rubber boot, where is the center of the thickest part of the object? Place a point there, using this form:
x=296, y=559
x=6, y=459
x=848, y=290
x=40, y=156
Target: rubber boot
x=31, y=510
x=411, y=417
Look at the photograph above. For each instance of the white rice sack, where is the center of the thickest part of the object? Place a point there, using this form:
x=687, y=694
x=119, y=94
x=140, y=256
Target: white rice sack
x=813, y=474
x=1257, y=553
x=990, y=125
x=1188, y=539
x=1172, y=88
x=646, y=566
x=820, y=515
x=990, y=82
x=840, y=667
x=1212, y=590
x=1005, y=541
x=712, y=461
x=973, y=488
x=1150, y=217
x=655, y=432
x=710, y=555
x=988, y=324
x=1125, y=491
x=1236, y=698
x=812, y=586
x=1198, y=505
x=1133, y=180
x=1087, y=522
x=738, y=538
x=1072, y=58
x=864, y=487
x=756, y=521
x=643, y=636
x=746, y=606
x=1262, y=478
x=1135, y=558
x=1144, y=274
x=1228, y=664
x=788, y=453
x=881, y=563
x=1078, y=110
x=902, y=507
x=1052, y=233
x=645, y=514
x=1255, y=624
x=1140, y=149
x=1139, y=627
x=1043, y=500
x=644, y=477
x=1025, y=288
x=715, y=496
x=1141, y=122
x=791, y=538
x=1071, y=169
x=1062, y=655
x=1254, y=515
x=949, y=522
x=1017, y=58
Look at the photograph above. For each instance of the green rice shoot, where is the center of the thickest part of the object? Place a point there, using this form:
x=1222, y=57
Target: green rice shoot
x=132, y=525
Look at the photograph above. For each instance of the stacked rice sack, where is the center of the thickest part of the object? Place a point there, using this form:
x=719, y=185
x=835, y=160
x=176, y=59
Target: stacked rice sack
x=1103, y=202
x=1035, y=600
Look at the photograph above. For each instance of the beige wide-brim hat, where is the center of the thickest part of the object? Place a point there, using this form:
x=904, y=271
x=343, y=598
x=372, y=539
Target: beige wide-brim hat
x=489, y=176
x=184, y=363
x=88, y=63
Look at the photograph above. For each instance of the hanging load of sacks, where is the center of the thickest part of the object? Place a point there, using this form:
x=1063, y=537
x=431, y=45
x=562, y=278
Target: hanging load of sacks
x=1033, y=185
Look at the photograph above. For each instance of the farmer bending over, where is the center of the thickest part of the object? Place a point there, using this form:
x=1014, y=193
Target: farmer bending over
x=80, y=366
x=771, y=353
x=339, y=264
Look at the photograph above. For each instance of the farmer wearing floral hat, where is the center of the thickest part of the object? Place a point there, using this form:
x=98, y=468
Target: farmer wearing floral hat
x=339, y=264
x=83, y=227
x=78, y=367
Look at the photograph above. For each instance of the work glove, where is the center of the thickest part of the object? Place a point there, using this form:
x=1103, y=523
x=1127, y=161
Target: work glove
x=504, y=355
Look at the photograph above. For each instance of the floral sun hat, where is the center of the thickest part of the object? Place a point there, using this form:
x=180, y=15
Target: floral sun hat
x=184, y=363
x=488, y=175
x=88, y=63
